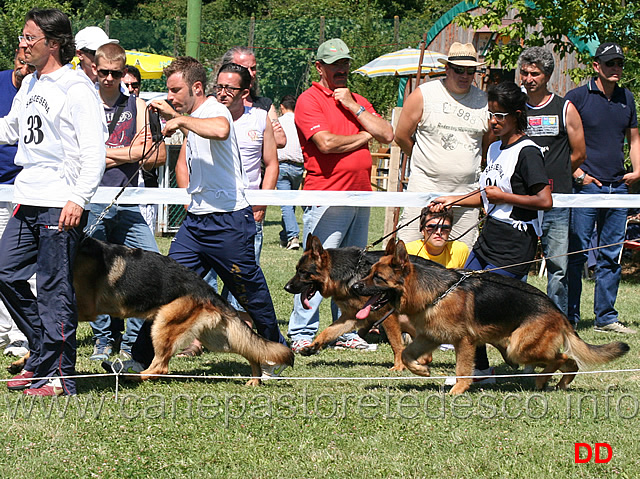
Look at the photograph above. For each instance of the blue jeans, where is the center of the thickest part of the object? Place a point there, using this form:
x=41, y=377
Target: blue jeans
x=555, y=242
x=289, y=178
x=610, y=226
x=123, y=225
x=336, y=227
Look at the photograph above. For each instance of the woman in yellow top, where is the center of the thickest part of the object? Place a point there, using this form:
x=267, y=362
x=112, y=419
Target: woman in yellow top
x=435, y=245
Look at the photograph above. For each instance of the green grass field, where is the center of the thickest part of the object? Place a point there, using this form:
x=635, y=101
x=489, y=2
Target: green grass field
x=342, y=414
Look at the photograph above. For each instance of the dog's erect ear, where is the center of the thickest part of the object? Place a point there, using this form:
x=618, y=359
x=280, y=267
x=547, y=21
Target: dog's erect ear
x=401, y=257
x=390, y=250
x=315, y=245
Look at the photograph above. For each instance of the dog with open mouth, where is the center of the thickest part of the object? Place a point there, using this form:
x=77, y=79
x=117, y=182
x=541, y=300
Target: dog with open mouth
x=332, y=272
x=451, y=306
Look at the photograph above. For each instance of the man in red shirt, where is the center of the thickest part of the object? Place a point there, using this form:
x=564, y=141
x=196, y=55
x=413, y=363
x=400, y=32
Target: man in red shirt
x=334, y=126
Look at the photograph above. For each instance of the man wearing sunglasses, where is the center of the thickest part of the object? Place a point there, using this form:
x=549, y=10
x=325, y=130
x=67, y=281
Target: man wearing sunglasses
x=148, y=176
x=131, y=80
x=609, y=117
x=443, y=128
x=554, y=124
x=129, y=139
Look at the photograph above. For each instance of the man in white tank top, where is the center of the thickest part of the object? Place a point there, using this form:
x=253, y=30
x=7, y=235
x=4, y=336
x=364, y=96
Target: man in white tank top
x=443, y=127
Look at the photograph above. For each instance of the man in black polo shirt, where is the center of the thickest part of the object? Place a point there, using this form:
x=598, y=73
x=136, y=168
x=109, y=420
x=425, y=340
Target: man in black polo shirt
x=555, y=125
x=608, y=115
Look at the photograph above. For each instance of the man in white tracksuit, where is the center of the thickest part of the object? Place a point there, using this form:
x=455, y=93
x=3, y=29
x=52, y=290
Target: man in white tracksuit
x=59, y=125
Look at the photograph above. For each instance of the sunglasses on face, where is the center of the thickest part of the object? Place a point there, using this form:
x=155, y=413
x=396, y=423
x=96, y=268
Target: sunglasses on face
x=498, y=116
x=438, y=226
x=115, y=74
x=618, y=63
x=463, y=70
x=133, y=85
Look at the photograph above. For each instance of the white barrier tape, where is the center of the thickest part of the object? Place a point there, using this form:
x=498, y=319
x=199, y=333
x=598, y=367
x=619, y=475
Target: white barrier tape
x=381, y=378
x=179, y=196
x=333, y=378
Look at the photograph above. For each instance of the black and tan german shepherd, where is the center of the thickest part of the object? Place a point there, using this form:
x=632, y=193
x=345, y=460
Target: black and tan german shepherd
x=332, y=272
x=125, y=282
x=485, y=308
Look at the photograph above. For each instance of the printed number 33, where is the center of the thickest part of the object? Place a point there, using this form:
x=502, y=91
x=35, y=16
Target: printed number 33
x=35, y=133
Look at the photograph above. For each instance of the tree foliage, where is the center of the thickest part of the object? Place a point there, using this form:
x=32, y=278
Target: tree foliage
x=550, y=22
x=12, y=21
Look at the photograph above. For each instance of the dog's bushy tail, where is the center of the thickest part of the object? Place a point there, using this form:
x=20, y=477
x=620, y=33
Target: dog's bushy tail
x=244, y=341
x=588, y=354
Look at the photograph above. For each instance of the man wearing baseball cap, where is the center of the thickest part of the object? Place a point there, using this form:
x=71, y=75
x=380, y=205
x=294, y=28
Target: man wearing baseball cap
x=443, y=127
x=88, y=40
x=609, y=117
x=335, y=127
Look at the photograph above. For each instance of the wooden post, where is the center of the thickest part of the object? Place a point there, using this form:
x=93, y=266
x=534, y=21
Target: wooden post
x=107, y=21
x=423, y=46
x=394, y=184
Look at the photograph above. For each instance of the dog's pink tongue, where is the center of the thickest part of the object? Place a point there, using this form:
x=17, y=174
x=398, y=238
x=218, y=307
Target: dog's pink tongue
x=305, y=303
x=364, y=312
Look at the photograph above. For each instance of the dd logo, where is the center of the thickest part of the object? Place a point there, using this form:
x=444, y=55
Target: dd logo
x=598, y=447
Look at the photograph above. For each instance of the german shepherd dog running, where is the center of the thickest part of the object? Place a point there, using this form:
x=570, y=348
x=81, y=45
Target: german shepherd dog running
x=124, y=282
x=517, y=318
x=332, y=272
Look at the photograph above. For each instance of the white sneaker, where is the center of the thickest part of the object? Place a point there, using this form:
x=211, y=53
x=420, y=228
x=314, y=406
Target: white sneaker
x=355, y=343
x=294, y=243
x=17, y=348
x=296, y=346
x=616, y=327
x=451, y=380
x=270, y=371
x=446, y=347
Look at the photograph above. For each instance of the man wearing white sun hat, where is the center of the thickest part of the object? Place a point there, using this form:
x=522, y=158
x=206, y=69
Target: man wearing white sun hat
x=449, y=120
x=88, y=40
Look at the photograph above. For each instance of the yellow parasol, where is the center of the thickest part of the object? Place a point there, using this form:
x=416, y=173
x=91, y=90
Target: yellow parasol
x=149, y=64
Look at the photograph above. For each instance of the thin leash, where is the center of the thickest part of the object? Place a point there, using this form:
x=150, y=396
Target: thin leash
x=538, y=260
x=467, y=274
x=463, y=276
x=468, y=195
x=145, y=154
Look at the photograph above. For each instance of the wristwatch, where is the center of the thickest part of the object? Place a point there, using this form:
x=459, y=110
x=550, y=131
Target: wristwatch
x=359, y=112
x=580, y=179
